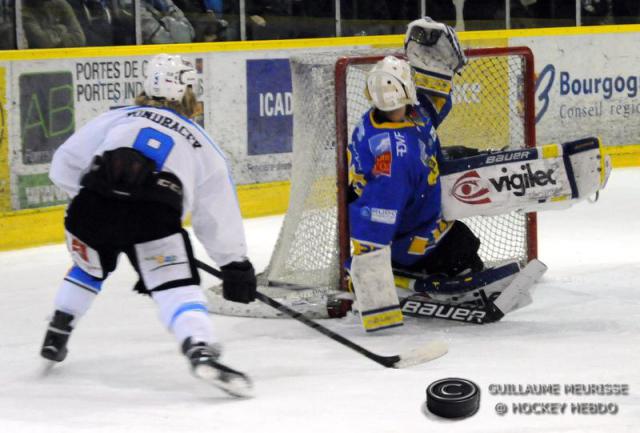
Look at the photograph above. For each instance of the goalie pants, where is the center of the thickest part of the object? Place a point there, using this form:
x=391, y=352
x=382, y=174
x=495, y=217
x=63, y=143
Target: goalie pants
x=99, y=228
x=456, y=252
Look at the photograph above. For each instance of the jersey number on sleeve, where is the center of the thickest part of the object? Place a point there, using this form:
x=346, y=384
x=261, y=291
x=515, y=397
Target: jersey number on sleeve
x=154, y=145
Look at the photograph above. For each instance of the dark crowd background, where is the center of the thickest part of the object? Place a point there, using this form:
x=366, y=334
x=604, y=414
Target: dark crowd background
x=75, y=23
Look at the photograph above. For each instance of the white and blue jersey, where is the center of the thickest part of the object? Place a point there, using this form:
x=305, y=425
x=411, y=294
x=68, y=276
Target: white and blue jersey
x=178, y=146
x=393, y=170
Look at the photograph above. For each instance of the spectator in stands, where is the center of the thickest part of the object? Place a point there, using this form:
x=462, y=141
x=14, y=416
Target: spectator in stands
x=7, y=25
x=95, y=19
x=484, y=14
x=284, y=19
x=269, y=19
x=206, y=18
x=542, y=13
x=441, y=11
x=626, y=11
x=366, y=17
x=123, y=21
x=596, y=12
x=371, y=17
x=164, y=23
x=51, y=24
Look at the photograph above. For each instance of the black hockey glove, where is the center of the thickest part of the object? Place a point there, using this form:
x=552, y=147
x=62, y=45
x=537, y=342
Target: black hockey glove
x=239, y=282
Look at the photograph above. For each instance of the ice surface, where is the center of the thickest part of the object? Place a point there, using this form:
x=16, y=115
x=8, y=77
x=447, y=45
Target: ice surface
x=124, y=372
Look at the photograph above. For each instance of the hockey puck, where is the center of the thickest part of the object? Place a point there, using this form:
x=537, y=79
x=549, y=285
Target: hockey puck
x=453, y=398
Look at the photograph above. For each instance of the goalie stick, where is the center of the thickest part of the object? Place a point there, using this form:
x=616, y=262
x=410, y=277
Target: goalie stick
x=486, y=309
x=428, y=352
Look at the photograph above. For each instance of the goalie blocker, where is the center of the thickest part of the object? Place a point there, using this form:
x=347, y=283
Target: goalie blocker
x=555, y=176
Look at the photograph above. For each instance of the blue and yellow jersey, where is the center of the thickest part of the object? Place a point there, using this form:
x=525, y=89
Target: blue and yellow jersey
x=393, y=171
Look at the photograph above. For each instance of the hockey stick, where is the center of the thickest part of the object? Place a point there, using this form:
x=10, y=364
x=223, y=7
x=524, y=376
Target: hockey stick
x=423, y=354
x=437, y=284
x=514, y=295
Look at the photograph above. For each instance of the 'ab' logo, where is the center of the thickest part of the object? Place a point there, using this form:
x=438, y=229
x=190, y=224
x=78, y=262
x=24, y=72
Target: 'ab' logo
x=46, y=114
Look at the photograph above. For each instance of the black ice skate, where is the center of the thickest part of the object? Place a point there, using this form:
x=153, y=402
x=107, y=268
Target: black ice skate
x=54, y=347
x=205, y=366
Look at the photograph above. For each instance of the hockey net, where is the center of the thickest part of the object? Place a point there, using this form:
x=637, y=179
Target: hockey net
x=493, y=109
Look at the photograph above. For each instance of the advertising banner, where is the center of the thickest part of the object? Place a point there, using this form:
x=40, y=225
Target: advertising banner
x=269, y=106
x=587, y=85
x=5, y=189
x=55, y=98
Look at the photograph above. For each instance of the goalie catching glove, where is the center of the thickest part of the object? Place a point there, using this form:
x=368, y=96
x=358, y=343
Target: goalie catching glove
x=239, y=282
x=434, y=52
x=433, y=47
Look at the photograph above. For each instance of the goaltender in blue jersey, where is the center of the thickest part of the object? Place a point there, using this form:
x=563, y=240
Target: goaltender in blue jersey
x=393, y=172
x=395, y=212
x=399, y=236
x=394, y=177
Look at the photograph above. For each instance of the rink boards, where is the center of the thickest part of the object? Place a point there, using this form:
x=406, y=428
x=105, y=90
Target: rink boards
x=587, y=85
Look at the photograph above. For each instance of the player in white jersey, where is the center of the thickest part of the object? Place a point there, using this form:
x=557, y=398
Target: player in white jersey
x=132, y=174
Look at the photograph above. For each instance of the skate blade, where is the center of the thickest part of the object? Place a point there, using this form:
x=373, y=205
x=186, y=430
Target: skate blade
x=47, y=366
x=236, y=385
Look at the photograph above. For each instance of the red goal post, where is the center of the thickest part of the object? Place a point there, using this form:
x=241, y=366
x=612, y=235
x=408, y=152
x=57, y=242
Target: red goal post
x=509, y=108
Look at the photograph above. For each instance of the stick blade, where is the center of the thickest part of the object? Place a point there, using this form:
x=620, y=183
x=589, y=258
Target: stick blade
x=420, y=355
x=516, y=294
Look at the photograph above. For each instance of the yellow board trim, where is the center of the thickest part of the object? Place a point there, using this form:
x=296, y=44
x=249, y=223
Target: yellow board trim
x=203, y=47
x=373, y=322
x=387, y=41
x=627, y=155
x=550, y=151
x=33, y=227
x=5, y=169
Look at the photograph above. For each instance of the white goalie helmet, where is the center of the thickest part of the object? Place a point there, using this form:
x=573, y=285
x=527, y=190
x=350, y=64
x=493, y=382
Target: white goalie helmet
x=390, y=84
x=168, y=77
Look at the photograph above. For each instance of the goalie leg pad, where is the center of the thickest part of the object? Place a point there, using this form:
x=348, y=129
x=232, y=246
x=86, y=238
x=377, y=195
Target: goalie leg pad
x=375, y=290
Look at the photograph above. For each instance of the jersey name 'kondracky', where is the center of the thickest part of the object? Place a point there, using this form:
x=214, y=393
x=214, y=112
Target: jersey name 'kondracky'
x=177, y=145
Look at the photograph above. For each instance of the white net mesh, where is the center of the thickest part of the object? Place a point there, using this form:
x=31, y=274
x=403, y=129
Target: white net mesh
x=307, y=249
x=488, y=113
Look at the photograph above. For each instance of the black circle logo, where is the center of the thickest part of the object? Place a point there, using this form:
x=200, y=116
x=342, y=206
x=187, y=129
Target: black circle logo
x=453, y=398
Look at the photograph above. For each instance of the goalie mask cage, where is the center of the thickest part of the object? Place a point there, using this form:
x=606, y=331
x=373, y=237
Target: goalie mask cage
x=493, y=107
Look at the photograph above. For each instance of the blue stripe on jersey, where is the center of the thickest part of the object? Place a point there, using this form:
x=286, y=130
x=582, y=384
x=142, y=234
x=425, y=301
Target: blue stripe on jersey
x=80, y=277
x=192, y=306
